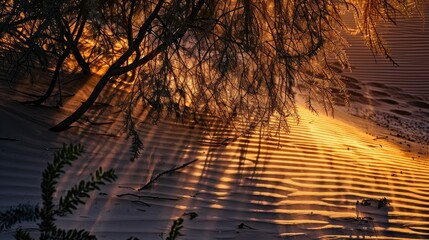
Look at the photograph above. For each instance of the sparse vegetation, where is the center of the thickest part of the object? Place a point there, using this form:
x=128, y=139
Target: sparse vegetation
x=48, y=211
x=380, y=203
x=241, y=61
x=175, y=232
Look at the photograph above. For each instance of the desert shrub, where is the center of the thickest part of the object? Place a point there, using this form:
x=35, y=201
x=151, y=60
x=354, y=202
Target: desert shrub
x=46, y=213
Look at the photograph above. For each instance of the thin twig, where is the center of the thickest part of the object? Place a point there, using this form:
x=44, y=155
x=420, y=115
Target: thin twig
x=165, y=172
x=8, y=139
x=380, y=137
x=98, y=123
x=141, y=202
x=146, y=197
x=127, y=188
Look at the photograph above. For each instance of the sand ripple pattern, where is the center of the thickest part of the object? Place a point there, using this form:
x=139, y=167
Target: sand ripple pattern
x=408, y=44
x=298, y=185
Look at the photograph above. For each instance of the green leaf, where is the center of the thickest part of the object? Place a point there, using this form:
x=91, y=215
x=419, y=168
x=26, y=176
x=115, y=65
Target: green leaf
x=21, y=234
x=76, y=195
x=18, y=214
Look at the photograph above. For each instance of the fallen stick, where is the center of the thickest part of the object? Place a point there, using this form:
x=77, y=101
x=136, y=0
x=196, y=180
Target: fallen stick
x=127, y=188
x=147, y=197
x=141, y=202
x=8, y=139
x=380, y=137
x=98, y=123
x=165, y=172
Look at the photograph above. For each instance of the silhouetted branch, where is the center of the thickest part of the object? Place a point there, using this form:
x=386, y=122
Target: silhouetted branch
x=147, y=185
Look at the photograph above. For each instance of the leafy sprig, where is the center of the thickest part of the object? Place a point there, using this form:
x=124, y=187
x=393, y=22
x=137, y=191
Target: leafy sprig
x=18, y=214
x=49, y=181
x=175, y=229
x=48, y=211
x=79, y=192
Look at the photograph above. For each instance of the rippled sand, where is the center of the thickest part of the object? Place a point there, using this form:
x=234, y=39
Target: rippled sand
x=304, y=184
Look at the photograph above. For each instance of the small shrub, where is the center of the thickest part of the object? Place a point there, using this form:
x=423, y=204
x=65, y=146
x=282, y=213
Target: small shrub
x=48, y=211
x=178, y=225
x=382, y=202
x=175, y=229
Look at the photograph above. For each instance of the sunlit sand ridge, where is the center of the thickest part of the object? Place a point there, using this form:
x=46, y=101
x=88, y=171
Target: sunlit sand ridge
x=298, y=185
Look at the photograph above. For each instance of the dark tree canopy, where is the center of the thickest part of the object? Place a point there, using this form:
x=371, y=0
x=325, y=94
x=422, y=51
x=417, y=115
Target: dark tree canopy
x=239, y=60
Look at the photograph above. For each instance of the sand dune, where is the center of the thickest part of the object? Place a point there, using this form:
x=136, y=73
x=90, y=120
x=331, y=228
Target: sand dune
x=304, y=184
x=298, y=185
x=407, y=42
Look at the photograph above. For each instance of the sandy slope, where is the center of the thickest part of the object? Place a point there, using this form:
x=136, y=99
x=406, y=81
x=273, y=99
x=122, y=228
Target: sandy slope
x=408, y=44
x=298, y=185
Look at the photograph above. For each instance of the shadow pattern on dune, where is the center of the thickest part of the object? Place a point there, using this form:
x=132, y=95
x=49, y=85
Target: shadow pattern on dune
x=294, y=187
x=245, y=185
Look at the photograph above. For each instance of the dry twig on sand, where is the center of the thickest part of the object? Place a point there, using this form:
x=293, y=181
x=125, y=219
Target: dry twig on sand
x=147, y=185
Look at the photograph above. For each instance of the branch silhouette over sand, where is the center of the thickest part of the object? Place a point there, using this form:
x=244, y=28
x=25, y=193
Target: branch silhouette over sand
x=322, y=180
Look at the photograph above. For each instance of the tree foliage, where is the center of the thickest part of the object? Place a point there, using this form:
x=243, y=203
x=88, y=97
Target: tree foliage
x=240, y=60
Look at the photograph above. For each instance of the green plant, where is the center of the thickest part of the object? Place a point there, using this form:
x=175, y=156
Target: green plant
x=175, y=229
x=178, y=225
x=18, y=214
x=47, y=213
